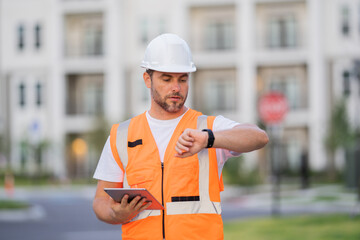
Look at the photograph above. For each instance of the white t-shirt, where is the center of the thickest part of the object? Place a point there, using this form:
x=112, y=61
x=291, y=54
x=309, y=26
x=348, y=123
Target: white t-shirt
x=162, y=130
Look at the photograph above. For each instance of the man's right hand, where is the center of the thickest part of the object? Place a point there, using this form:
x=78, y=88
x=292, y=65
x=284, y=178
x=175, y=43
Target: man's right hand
x=124, y=211
x=109, y=211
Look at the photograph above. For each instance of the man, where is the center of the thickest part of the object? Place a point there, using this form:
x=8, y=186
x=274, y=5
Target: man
x=173, y=151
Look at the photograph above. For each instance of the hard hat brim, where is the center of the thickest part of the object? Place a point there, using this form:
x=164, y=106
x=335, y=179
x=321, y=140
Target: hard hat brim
x=171, y=69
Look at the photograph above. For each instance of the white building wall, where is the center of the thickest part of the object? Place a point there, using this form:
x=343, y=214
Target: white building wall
x=323, y=51
x=341, y=52
x=28, y=66
x=3, y=99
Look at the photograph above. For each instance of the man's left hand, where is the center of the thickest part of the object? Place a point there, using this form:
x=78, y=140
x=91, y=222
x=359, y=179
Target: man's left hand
x=190, y=142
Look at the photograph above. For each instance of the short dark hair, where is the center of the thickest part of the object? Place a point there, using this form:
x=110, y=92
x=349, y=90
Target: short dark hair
x=150, y=72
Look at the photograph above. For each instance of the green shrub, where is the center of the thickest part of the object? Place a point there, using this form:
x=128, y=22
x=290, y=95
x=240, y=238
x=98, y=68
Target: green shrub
x=234, y=173
x=12, y=204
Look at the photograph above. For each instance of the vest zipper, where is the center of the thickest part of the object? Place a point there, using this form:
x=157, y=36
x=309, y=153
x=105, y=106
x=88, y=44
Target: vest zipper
x=162, y=199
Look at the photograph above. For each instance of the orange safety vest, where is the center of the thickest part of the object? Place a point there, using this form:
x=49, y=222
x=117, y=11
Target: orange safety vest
x=189, y=188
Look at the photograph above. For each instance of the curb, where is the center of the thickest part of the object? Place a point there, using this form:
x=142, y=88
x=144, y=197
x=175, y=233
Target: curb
x=33, y=213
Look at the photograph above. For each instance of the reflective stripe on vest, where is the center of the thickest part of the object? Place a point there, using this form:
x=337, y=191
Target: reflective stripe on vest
x=203, y=206
x=121, y=143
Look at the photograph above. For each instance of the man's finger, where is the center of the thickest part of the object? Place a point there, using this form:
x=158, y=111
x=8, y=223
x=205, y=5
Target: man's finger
x=178, y=151
x=145, y=206
x=181, y=149
x=184, y=142
x=124, y=200
x=187, y=136
x=140, y=203
x=133, y=202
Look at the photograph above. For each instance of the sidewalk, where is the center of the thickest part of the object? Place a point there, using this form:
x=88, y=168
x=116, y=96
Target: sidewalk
x=318, y=199
x=236, y=201
x=36, y=212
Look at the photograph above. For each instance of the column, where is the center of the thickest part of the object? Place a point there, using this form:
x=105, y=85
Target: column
x=114, y=79
x=56, y=93
x=317, y=86
x=246, y=68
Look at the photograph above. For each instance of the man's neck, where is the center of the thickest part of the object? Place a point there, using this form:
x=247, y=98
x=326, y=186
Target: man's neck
x=161, y=114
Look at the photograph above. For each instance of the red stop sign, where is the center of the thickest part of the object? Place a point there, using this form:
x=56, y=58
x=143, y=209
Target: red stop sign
x=273, y=107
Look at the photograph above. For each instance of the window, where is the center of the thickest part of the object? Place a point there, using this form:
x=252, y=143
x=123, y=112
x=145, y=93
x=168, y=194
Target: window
x=220, y=95
x=84, y=35
x=213, y=27
x=282, y=32
x=289, y=86
x=215, y=91
x=359, y=18
x=293, y=153
x=346, y=83
x=345, y=20
x=144, y=92
x=144, y=26
x=290, y=81
x=150, y=28
x=22, y=94
x=93, y=40
x=21, y=37
x=219, y=36
x=37, y=34
x=38, y=89
x=294, y=149
x=162, y=26
x=85, y=94
x=23, y=155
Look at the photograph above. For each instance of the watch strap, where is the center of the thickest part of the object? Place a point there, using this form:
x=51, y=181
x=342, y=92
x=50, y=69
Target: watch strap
x=211, y=137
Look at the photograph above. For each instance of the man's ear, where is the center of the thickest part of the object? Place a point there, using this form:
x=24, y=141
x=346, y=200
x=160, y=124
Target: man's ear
x=147, y=79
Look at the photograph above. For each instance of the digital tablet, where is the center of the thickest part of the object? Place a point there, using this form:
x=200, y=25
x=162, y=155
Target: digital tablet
x=118, y=193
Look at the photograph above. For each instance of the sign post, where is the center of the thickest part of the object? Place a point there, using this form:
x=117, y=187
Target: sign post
x=273, y=107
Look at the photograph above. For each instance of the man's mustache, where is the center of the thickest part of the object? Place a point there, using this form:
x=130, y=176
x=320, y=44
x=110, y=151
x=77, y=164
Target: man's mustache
x=174, y=95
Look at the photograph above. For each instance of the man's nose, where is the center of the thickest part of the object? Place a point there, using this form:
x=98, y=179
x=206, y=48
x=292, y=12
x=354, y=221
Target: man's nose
x=176, y=87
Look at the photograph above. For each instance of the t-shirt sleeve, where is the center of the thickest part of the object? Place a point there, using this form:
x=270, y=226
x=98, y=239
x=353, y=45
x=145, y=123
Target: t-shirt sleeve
x=107, y=168
x=222, y=123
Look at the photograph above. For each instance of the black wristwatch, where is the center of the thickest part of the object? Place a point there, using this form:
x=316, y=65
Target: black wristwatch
x=211, y=138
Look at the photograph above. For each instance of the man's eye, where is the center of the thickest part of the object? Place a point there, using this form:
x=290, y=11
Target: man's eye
x=183, y=80
x=166, y=79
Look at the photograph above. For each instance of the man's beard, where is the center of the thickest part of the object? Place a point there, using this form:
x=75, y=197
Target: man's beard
x=173, y=107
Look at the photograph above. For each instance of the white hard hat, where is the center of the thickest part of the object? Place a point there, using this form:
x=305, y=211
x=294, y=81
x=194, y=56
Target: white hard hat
x=168, y=53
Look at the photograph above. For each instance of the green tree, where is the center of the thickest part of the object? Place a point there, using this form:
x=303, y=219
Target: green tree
x=4, y=149
x=96, y=139
x=235, y=173
x=340, y=135
x=34, y=150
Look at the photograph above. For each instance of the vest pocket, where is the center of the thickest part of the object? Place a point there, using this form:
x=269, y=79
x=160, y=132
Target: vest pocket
x=140, y=179
x=184, y=180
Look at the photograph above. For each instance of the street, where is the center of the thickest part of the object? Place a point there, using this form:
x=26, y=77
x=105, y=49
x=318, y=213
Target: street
x=65, y=218
x=66, y=214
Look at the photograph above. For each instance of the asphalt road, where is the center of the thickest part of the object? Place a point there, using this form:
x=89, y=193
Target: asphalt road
x=70, y=218
x=65, y=219
x=67, y=213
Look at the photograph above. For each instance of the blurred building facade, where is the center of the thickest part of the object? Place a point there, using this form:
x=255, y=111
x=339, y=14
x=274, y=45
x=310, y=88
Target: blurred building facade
x=65, y=62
